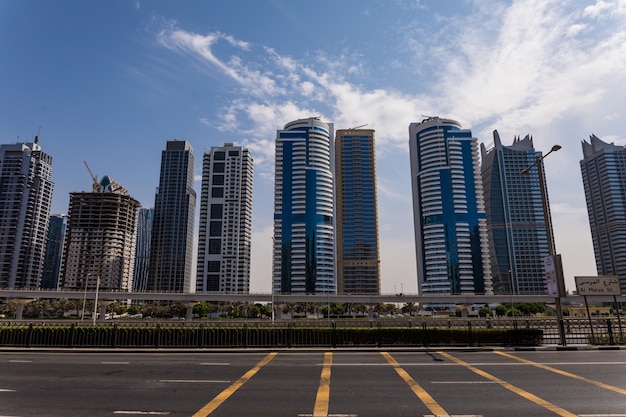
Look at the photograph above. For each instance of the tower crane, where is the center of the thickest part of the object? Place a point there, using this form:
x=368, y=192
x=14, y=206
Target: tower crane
x=93, y=177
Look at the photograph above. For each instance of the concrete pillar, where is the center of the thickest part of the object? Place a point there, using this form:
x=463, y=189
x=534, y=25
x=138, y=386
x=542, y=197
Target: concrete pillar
x=103, y=309
x=370, y=311
x=21, y=302
x=190, y=305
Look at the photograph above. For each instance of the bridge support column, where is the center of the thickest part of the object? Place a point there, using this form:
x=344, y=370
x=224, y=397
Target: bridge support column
x=190, y=305
x=370, y=311
x=103, y=309
x=21, y=302
x=278, y=310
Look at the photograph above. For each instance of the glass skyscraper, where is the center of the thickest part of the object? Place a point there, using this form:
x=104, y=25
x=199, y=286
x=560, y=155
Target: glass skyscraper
x=25, y=202
x=50, y=279
x=515, y=219
x=145, y=219
x=304, y=250
x=225, y=232
x=358, y=258
x=449, y=216
x=171, y=248
x=604, y=178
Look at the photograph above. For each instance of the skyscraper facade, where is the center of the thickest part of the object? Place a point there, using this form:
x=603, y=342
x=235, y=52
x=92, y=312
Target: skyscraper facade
x=449, y=215
x=604, y=179
x=145, y=219
x=225, y=232
x=516, y=223
x=25, y=201
x=100, y=240
x=171, y=249
x=50, y=279
x=304, y=251
x=358, y=257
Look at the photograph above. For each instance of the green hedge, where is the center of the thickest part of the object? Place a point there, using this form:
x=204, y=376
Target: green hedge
x=243, y=336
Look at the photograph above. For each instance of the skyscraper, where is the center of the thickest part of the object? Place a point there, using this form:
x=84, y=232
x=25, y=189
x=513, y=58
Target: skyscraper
x=604, y=178
x=145, y=219
x=516, y=224
x=304, y=251
x=225, y=233
x=100, y=239
x=358, y=258
x=25, y=201
x=50, y=278
x=171, y=249
x=448, y=209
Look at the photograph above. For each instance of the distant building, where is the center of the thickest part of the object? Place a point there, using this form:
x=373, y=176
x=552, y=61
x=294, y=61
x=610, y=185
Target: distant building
x=604, y=178
x=304, y=250
x=145, y=219
x=25, y=201
x=100, y=240
x=171, y=249
x=50, y=279
x=449, y=215
x=358, y=256
x=225, y=232
x=516, y=224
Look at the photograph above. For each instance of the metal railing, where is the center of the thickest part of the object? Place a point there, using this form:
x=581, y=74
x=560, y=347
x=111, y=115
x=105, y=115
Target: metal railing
x=290, y=333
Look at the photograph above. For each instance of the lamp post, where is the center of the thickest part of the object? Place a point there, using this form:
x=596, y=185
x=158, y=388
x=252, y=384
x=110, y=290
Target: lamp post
x=82, y=312
x=551, y=249
x=95, y=303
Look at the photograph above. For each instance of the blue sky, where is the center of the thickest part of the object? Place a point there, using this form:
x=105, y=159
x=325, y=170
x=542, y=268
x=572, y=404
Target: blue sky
x=109, y=82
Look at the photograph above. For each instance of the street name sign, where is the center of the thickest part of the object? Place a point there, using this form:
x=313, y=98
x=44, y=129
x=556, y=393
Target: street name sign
x=600, y=285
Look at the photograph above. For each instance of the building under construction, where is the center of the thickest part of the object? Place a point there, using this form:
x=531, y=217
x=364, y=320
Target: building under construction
x=100, y=241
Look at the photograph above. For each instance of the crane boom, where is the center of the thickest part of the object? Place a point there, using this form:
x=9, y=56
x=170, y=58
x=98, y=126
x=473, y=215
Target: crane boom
x=93, y=177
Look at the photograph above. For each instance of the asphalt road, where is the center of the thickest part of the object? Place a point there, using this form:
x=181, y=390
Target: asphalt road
x=587, y=383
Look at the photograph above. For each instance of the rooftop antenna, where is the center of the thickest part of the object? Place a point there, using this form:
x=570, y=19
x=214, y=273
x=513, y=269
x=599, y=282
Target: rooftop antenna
x=93, y=177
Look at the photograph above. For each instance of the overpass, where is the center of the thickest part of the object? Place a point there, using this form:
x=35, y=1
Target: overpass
x=23, y=296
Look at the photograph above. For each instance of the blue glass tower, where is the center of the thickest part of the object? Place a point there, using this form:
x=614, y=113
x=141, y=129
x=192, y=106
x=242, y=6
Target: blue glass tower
x=449, y=216
x=358, y=258
x=518, y=239
x=145, y=219
x=54, y=251
x=304, y=251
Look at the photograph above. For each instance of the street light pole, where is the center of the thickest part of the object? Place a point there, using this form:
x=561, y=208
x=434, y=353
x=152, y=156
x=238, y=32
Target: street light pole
x=82, y=313
x=95, y=303
x=551, y=249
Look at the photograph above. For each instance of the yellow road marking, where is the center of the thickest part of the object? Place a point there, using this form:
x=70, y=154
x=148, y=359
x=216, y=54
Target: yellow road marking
x=425, y=397
x=323, y=391
x=525, y=394
x=565, y=373
x=224, y=395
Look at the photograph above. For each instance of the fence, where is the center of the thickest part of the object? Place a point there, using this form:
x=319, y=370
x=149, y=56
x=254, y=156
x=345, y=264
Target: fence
x=305, y=333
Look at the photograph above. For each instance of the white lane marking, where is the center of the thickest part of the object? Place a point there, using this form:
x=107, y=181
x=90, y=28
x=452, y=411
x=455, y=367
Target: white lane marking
x=115, y=363
x=20, y=361
x=6, y=390
x=142, y=413
x=214, y=363
x=462, y=382
x=195, y=380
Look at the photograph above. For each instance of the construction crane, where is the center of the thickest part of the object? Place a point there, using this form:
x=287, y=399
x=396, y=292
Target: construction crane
x=93, y=177
x=358, y=127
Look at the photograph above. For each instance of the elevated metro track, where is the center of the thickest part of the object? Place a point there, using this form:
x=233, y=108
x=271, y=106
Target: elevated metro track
x=26, y=294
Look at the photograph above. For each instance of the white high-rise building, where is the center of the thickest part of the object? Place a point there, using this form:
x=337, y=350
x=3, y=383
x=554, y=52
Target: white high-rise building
x=451, y=238
x=304, y=241
x=25, y=202
x=225, y=232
